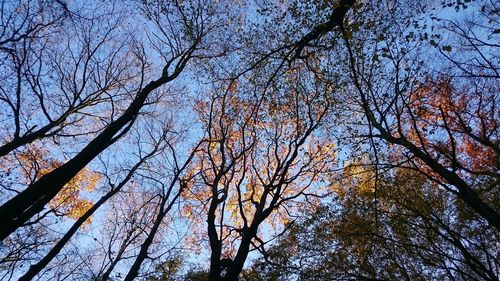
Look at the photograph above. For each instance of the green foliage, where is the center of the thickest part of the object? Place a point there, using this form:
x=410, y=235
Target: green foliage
x=400, y=235
x=168, y=270
x=196, y=275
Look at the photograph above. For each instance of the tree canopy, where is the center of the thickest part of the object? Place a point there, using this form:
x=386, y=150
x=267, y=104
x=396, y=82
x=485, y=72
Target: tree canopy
x=249, y=140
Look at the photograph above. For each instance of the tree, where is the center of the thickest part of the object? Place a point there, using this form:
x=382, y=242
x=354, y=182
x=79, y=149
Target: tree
x=391, y=54
x=418, y=116
x=23, y=206
x=168, y=270
x=26, y=30
x=249, y=140
x=84, y=217
x=262, y=157
x=417, y=232
x=168, y=196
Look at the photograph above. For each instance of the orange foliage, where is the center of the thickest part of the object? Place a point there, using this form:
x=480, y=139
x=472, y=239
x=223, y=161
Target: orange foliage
x=242, y=164
x=68, y=201
x=461, y=125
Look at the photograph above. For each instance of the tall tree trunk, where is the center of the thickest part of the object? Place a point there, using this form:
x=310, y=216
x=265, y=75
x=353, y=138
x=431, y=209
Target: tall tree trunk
x=465, y=192
x=143, y=252
x=18, y=210
x=162, y=212
x=40, y=265
x=241, y=256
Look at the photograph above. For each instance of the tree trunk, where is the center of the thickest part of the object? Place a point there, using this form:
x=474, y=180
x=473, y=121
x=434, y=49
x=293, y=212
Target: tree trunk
x=18, y=210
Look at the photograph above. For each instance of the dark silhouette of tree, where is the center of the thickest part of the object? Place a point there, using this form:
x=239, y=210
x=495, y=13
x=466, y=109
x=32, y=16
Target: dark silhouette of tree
x=418, y=233
x=254, y=170
x=249, y=140
x=39, y=266
x=23, y=206
x=421, y=120
x=394, y=115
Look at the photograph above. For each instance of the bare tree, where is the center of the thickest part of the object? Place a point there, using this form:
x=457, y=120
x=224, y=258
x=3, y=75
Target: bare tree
x=51, y=84
x=181, y=46
x=39, y=266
